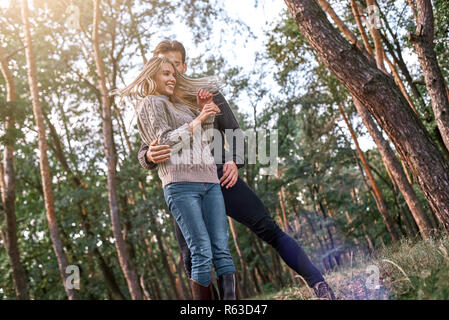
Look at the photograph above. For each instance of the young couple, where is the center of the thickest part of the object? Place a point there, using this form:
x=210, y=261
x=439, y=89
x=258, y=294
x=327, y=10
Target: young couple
x=172, y=109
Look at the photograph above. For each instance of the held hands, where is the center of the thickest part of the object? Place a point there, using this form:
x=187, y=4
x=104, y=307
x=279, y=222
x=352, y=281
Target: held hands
x=208, y=108
x=203, y=97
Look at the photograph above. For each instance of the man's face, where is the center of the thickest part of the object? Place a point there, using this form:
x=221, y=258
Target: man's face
x=176, y=57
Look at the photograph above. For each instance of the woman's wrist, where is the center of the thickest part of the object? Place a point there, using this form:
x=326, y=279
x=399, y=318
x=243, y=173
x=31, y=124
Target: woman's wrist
x=195, y=123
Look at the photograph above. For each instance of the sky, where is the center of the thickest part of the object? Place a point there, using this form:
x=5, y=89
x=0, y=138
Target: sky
x=237, y=50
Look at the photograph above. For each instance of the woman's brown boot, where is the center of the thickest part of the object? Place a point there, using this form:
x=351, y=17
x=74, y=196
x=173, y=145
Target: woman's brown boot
x=227, y=285
x=200, y=292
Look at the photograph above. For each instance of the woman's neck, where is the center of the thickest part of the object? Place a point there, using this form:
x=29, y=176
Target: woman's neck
x=169, y=98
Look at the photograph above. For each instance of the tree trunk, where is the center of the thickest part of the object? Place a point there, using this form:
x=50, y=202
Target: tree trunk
x=284, y=218
x=8, y=187
x=134, y=25
x=380, y=54
x=254, y=280
x=159, y=274
x=412, y=5
x=244, y=285
x=356, y=13
x=378, y=92
x=183, y=277
x=318, y=207
x=155, y=290
x=277, y=268
x=128, y=270
x=322, y=249
x=44, y=165
x=107, y=272
x=395, y=168
x=396, y=53
x=146, y=294
x=400, y=84
x=435, y=84
x=376, y=190
x=108, y=275
x=155, y=270
x=331, y=229
x=163, y=257
x=183, y=292
x=368, y=237
x=328, y=9
x=255, y=245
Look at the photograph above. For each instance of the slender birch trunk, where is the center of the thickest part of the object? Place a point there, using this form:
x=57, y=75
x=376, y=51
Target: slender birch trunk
x=8, y=189
x=244, y=286
x=378, y=48
x=111, y=156
x=76, y=179
x=376, y=190
x=356, y=13
x=395, y=168
x=44, y=165
x=435, y=83
x=412, y=5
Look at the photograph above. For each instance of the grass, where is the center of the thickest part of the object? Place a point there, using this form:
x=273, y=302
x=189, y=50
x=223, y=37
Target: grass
x=408, y=270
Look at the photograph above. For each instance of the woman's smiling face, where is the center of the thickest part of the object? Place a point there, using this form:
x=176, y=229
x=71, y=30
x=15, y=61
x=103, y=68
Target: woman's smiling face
x=165, y=80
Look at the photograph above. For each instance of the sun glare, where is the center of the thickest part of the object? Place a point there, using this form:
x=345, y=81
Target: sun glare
x=4, y=3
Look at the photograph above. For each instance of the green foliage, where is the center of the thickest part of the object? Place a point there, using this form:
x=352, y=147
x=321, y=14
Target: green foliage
x=441, y=8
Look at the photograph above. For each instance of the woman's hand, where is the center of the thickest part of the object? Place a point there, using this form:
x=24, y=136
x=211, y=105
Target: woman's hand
x=207, y=111
x=207, y=107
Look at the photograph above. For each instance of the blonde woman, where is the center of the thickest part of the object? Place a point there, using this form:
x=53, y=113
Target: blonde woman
x=173, y=109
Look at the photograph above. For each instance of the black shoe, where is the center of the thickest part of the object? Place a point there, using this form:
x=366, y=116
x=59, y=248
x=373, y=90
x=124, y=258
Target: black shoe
x=323, y=291
x=227, y=285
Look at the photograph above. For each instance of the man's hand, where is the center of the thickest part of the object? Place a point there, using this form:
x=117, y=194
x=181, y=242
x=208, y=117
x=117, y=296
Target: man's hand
x=230, y=174
x=203, y=97
x=158, y=153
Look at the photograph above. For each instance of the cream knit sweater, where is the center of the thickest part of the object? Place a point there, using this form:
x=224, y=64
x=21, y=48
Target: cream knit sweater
x=191, y=158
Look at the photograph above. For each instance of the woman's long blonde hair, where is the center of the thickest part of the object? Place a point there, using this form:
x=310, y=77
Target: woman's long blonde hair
x=185, y=90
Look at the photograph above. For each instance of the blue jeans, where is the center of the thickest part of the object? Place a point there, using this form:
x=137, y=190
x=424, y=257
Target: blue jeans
x=243, y=205
x=199, y=210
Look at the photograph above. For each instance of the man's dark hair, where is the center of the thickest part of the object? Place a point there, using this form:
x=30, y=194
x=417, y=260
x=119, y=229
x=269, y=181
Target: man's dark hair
x=167, y=45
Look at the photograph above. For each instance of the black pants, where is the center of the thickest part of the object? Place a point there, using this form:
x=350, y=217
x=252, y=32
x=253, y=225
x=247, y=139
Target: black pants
x=244, y=206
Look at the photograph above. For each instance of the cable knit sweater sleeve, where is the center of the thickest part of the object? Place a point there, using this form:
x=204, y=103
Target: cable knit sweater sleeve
x=153, y=122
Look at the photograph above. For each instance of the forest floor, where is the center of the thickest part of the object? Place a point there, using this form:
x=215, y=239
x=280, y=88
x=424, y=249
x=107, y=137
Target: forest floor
x=417, y=270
